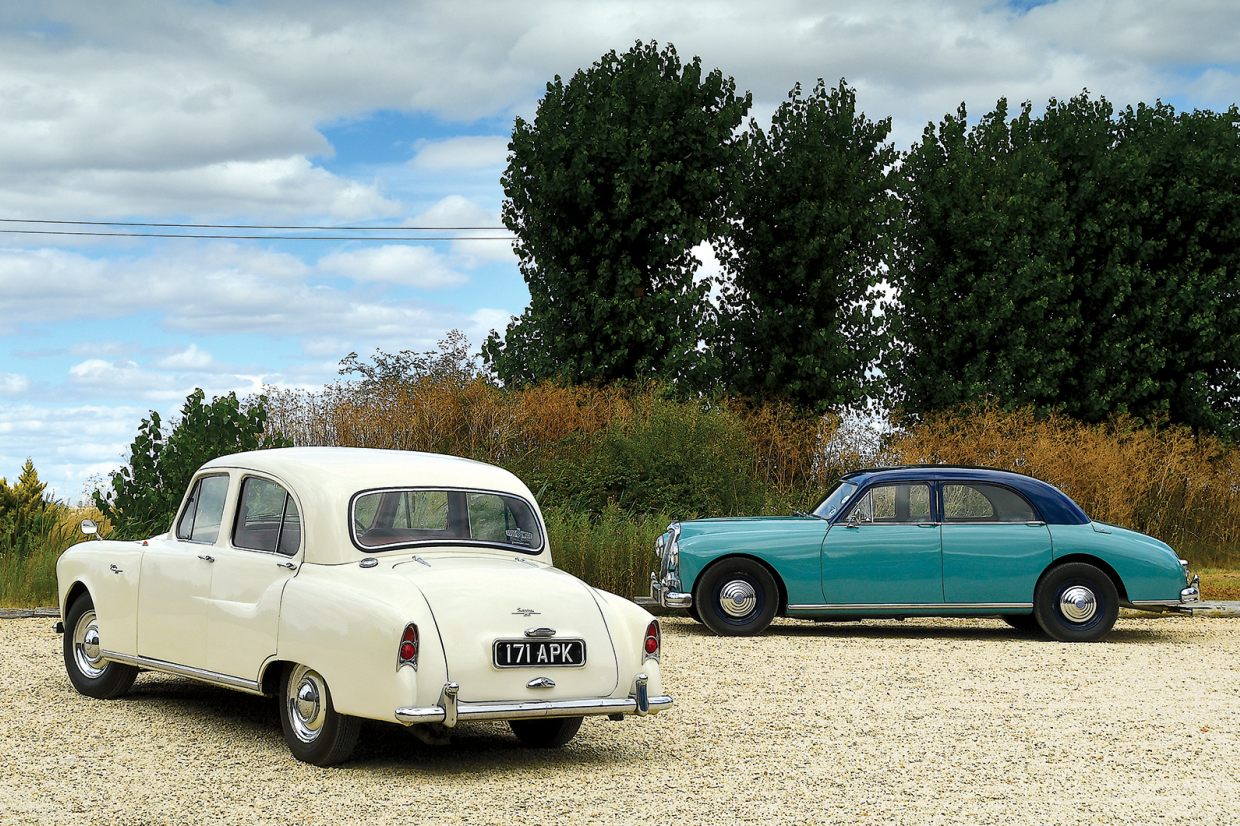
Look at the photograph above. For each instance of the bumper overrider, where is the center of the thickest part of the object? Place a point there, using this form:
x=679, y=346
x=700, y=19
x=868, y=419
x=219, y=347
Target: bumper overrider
x=665, y=587
x=450, y=710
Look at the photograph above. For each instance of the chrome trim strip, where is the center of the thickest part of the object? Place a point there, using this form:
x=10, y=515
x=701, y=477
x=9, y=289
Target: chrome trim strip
x=1155, y=603
x=520, y=710
x=894, y=606
x=200, y=674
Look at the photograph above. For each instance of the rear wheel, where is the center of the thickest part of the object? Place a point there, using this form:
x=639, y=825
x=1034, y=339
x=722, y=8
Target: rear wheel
x=1076, y=602
x=546, y=733
x=315, y=732
x=736, y=597
x=89, y=672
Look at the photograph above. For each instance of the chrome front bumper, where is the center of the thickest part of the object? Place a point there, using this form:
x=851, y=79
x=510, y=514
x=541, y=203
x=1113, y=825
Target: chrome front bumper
x=1188, y=596
x=665, y=596
x=450, y=710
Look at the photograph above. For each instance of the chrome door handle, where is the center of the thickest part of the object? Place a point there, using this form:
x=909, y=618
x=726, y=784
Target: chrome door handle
x=288, y=565
x=115, y=569
x=206, y=558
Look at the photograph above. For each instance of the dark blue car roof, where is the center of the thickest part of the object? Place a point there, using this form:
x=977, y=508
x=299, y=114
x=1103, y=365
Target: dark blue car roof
x=1053, y=504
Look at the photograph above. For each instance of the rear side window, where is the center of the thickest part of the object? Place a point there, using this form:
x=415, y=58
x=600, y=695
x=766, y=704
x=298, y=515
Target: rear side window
x=267, y=518
x=400, y=518
x=204, y=511
x=985, y=503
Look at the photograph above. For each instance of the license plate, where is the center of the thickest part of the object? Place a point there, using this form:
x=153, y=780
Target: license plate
x=539, y=653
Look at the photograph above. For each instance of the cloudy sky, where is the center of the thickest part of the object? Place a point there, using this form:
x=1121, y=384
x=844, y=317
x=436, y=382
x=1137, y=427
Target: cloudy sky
x=344, y=113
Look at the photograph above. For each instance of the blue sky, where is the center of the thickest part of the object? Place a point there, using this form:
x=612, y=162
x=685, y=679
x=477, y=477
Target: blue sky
x=397, y=114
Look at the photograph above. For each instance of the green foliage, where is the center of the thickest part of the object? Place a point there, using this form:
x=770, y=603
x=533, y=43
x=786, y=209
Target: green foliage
x=809, y=234
x=682, y=458
x=1073, y=261
x=624, y=170
x=451, y=361
x=23, y=510
x=145, y=494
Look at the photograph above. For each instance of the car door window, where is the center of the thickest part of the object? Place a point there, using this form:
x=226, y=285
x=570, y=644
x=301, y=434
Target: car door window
x=893, y=504
x=204, y=511
x=985, y=503
x=267, y=518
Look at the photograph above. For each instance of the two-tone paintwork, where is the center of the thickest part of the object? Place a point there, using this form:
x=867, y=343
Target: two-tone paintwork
x=826, y=568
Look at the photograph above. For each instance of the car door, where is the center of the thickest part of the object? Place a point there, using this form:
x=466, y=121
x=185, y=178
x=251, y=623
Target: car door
x=175, y=583
x=263, y=551
x=885, y=551
x=995, y=545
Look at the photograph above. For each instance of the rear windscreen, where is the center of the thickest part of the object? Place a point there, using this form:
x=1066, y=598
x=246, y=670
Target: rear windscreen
x=394, y=518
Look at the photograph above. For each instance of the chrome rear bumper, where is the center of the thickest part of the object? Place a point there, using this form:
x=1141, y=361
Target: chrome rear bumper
x=450, y=710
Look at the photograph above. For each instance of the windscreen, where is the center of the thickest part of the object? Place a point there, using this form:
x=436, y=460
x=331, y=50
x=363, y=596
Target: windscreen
x=830, y=506
x=399, y=518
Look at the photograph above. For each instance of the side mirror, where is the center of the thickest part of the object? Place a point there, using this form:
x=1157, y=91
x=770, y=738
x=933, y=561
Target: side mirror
x=90, y=528
x=852, y=521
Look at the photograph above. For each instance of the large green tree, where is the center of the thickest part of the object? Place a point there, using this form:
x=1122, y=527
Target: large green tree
x=809, y=235
x=145, y=493
x=1082, y=260
x=624, y=169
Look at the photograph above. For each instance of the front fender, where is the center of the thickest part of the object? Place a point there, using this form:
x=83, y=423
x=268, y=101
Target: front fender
x=109, y=572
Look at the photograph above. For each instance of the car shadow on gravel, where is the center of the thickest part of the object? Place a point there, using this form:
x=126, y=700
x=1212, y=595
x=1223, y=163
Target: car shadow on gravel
x=913, y=629
x=381, y=747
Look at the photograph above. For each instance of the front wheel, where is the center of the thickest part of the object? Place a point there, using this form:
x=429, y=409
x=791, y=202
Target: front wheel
x=315, y=732
x=89, y=672
x=545, y=733
x=1076, y=602
x=736, y=597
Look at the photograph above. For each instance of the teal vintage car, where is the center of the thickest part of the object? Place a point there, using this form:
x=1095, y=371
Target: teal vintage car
x=923, y=541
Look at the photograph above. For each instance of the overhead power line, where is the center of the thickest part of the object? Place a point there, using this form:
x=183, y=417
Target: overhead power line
x=262, y=237
x=242, y=237
x=240, y=226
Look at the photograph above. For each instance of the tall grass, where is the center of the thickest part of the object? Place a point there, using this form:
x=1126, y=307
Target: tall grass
x=28, y=562
x=613, y=550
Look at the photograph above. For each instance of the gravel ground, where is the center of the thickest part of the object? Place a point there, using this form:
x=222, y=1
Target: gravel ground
x=918, y=722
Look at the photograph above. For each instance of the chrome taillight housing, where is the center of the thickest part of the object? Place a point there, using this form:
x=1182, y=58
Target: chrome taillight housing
x=653, y=641
x=407, y=652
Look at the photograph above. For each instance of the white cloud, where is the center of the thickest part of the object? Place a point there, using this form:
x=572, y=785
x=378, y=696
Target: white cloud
x=189, y=359
x=405, y=265
x=467, y=152
x=12, y=384
x=459, y=211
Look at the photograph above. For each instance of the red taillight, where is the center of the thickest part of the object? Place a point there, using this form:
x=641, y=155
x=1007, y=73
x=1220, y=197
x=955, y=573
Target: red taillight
x=652, y=640
x=407, y=654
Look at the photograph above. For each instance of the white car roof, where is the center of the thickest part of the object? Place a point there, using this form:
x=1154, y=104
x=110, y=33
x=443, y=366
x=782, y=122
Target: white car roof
x=324, y=480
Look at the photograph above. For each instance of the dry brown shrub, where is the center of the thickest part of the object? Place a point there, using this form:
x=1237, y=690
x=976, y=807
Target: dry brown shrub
x=1160, y=479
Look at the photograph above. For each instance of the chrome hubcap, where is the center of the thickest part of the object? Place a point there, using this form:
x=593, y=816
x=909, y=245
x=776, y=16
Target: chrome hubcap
x=738, y=598
x=306, y=703
x=1078, y=604
x=86, y=652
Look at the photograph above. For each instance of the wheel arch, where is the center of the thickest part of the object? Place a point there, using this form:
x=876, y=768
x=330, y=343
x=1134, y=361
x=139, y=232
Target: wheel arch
x=269, y=679
x=1100, y=564
x=781, y=611
x=75, y=592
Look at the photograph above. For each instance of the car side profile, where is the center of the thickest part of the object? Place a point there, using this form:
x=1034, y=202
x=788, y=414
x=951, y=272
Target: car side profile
x=930, y=541
x=405, y=587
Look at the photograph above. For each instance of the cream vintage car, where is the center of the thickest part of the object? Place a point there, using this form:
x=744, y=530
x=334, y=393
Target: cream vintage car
x=407, y=587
